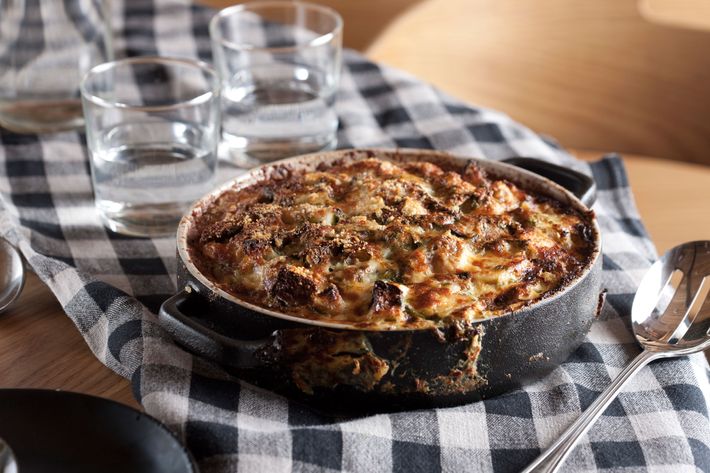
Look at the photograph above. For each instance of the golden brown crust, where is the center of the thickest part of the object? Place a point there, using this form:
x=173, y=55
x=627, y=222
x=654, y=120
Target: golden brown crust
x=383, y=245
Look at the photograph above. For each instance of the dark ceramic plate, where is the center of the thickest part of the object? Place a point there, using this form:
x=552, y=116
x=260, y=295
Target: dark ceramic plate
x=57, y=431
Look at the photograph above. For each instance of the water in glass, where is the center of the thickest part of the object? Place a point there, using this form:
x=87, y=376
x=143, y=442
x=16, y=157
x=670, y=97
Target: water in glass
x=148, y=186
x=279, y=109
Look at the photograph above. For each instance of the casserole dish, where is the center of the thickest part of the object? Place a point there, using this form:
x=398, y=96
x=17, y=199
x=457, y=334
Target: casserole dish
x=340, y=365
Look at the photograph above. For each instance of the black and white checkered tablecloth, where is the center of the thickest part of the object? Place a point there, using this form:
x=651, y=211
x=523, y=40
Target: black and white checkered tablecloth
x=111, y=287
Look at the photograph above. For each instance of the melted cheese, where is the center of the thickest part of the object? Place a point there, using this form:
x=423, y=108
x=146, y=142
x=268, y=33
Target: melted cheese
x=387, y=246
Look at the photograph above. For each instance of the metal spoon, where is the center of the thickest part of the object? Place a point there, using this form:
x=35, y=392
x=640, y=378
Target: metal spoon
x=12, y=279
x=7, y=459
x=12, y=274
x=669, y=320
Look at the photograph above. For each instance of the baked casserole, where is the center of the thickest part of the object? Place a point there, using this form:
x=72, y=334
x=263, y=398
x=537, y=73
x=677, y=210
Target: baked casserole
x=383, y=245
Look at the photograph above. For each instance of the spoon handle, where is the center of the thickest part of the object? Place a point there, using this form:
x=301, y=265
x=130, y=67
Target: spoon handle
x=552, y=458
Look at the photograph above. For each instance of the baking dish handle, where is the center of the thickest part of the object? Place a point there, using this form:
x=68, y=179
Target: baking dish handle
x=203, y=341
x=581, y=185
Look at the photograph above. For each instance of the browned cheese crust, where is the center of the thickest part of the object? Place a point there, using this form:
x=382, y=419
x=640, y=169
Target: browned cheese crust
x=386, y=246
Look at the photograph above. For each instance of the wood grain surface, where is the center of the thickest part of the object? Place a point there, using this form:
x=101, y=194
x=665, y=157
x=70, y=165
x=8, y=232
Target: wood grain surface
x=679, y=13
x=595, y=75
x=41, y=348
x=673, y=198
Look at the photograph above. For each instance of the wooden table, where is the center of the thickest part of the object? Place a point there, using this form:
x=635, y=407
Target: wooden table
x=40, y=347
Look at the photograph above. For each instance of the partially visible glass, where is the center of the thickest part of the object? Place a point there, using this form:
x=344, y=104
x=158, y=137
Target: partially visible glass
x=152, y=129
x=46, y=46
x=279, y=62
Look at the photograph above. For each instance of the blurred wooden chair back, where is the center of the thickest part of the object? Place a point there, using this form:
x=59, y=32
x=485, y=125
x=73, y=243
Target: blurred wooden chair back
x=594, y=74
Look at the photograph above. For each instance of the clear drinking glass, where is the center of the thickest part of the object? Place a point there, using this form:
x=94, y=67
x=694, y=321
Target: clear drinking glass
x=46, y=46
x=152, y=129
x=279, y=62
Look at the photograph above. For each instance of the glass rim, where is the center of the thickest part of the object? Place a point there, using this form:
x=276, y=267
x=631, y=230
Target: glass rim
x=319, y=40
x=165, y=60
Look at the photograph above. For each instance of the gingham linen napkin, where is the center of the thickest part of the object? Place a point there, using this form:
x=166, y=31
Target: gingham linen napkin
x=111, y=287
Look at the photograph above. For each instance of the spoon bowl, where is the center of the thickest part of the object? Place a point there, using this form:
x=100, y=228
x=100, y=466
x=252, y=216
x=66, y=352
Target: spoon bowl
x=671, y=300
x=12, y=274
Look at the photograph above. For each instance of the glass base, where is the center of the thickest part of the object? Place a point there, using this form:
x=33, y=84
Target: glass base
x=154, y=220
x=41, y=116
x=248, y=153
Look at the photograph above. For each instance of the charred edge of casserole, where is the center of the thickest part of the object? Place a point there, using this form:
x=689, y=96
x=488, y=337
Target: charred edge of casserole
x=317, y=359
x=302, y=242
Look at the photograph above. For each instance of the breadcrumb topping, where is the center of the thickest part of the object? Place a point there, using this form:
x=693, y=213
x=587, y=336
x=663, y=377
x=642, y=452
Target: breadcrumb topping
x=385, y=246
